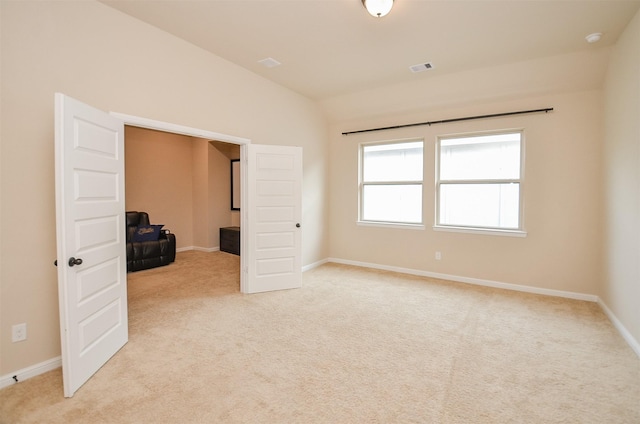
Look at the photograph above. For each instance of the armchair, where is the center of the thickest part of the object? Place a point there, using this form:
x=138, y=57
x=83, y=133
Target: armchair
x=143, y=250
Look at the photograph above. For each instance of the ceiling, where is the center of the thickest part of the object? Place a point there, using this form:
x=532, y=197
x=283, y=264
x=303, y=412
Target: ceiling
x=329, y=48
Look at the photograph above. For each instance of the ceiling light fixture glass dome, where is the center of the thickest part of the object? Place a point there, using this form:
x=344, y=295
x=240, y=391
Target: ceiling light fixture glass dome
x=378, y=8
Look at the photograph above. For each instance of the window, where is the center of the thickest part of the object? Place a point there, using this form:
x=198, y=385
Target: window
x=391, y=182
x=479, y=180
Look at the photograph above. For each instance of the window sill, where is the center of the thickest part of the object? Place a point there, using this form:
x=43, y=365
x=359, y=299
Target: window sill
x=391, y=225
x=483, y=231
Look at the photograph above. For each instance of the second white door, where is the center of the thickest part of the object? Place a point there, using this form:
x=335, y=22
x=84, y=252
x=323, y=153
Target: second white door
x=274, y=233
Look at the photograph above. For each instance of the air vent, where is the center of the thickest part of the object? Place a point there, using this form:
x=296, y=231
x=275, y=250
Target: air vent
x=421, y=67
x=269, y=62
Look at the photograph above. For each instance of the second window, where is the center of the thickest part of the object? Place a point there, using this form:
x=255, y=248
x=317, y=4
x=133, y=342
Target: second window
x=479, y=181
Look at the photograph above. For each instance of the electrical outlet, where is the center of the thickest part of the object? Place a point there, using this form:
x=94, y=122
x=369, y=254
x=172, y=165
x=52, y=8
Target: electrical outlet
x=438, y=256
x=19, y=332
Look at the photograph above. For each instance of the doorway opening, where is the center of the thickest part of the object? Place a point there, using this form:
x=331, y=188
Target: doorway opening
x=205, y=157
x=183, y=183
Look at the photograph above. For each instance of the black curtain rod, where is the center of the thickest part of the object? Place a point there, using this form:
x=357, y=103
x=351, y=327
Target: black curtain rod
x=445, y=121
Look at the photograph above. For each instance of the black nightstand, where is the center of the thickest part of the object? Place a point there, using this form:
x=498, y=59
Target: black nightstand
x=230, y=240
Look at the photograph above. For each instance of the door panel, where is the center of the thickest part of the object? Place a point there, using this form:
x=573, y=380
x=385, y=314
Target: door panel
x=89, y=147
x=274, y=233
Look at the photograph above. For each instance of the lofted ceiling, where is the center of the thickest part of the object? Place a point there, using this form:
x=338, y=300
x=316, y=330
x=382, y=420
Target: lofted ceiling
x=329, y=48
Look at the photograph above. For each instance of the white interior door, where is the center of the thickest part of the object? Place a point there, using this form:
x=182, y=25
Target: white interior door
x=91, y=257
x=273, y=223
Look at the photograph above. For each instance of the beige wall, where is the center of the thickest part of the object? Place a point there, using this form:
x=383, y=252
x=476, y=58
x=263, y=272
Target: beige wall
x=621, y=152
x=160, y=179
x=562, y=212
x=116, y=63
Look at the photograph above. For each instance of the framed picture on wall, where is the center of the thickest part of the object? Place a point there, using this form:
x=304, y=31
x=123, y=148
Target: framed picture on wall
x=235, y=185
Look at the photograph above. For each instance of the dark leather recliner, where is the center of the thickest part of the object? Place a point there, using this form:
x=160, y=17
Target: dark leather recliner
x=148, y=254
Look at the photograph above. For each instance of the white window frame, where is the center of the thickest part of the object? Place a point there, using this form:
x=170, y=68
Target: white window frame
x=361, y=185
x=517, y=232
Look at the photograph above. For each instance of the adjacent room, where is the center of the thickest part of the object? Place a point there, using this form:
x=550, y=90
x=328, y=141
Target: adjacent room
x=468, y=225
x=183, y=183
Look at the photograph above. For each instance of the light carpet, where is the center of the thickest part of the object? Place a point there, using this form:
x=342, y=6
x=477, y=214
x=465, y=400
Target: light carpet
x=354, y=345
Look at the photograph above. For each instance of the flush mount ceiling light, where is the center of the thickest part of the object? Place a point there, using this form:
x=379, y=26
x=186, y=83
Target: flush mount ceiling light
x=378, y=8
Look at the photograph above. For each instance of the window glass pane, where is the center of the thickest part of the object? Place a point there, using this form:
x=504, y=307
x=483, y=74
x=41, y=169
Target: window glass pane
x=392, y=162
x=484, y=157
x=480, y=205
x=392, y=203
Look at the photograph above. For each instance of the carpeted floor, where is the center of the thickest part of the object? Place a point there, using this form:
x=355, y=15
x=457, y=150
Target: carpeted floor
x=353, y=345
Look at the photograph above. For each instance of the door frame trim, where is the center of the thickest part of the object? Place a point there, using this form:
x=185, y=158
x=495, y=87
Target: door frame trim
x=140, y=122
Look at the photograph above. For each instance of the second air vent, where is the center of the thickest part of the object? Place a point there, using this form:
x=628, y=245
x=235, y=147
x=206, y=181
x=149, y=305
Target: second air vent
x=421, y=67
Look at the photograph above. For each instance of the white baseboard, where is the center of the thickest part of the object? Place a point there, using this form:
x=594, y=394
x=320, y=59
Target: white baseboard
x=626, y=335
x=206, y=249
x=198, y=248
x=32, y=371
x=476, y=281
x=314, y=265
